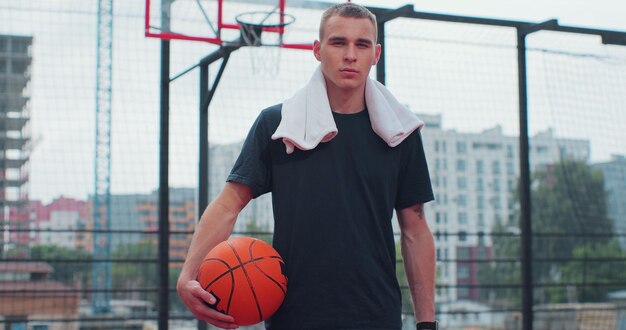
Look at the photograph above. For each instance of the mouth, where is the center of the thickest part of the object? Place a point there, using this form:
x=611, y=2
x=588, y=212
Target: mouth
x=349, y=70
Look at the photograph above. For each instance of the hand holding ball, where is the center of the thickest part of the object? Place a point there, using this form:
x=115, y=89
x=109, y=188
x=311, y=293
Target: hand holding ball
x=246, y=278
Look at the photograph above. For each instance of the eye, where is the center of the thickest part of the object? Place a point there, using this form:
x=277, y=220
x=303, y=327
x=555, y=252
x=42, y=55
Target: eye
x=363, y=45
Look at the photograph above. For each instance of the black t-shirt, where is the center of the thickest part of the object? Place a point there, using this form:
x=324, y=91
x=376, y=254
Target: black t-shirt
x=333, y=207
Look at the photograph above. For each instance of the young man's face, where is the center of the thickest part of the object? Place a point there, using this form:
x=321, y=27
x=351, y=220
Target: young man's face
x=347, y=51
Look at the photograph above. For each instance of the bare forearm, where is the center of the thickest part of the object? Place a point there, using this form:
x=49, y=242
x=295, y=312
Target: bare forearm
x=215, y=226
x=419, y=264
x=418, y=251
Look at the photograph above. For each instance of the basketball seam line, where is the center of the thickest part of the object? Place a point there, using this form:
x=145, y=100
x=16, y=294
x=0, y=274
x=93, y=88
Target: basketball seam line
x=232, y=269
x=269, y=277
x=232, y=286
x=256, y=300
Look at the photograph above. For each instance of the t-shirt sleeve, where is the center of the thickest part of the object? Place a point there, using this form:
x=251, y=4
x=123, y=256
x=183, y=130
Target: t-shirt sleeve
x=414, y=181
x=253, y=167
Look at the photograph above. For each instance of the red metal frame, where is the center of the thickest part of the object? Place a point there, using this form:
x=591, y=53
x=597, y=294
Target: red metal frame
x=220, y=25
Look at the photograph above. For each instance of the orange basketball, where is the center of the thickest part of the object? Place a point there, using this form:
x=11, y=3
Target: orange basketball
x=245, y=276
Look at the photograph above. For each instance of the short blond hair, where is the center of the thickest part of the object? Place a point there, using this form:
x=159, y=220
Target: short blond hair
x=348, y=9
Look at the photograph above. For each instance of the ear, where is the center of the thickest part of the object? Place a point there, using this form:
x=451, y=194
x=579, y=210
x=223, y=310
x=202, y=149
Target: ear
x=316, y=50
x=378, y=49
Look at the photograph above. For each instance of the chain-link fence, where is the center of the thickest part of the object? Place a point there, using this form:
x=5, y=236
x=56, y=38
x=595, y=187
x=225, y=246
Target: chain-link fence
x=459, y=74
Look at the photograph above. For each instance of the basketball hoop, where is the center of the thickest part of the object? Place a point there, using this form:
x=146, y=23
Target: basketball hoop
x=264, y=60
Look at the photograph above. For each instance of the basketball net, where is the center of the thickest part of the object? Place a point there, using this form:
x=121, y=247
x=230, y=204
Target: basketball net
x=265, y=61
x=265, y=57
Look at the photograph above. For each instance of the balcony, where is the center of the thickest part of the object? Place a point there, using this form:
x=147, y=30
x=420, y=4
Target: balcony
x=13, y=123
x=10, y=102
x=13, y=182
x=12, y=163
x=13, y=143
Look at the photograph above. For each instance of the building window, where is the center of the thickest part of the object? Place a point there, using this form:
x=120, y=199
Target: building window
x=460, y=165
x=181, y=225
x=463, y=272
x=496, y=203
x=509, y=151
x=481, y=243
x=510, y=169
x=462, y=218
x=463, y=253
x=180, y=237
x=13, y=323
x=480, y=202
x=480, y=184
x=462, y=236
x=461, y=147
x=436, y=146
x=487, y=145
x=461, y=200
x=19, y=66
x=178, y=214
x=496, y=185
x=20, y=46
x=461, y=182
x=480, y=166
x=481, y=219
x=495, y=167
x=146, y=213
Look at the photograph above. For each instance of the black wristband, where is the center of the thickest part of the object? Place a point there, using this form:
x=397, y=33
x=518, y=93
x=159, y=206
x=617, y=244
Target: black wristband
x=427, y=326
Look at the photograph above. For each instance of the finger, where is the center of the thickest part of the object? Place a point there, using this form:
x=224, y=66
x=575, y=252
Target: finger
x=219, y=316
x=217, y=319
x=198, y=292
x=222, y=325
x=203, y=310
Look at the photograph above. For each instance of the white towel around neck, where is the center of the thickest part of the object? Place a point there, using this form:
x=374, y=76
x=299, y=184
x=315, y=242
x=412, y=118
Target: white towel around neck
x=307, y=119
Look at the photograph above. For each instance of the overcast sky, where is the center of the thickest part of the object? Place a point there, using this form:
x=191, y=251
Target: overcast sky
x=604, y=14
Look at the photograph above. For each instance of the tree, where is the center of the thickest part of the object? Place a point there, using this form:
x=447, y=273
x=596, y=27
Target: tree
x=568, y=208
x=504, y=274
x=595, y=269
x=141, y=273
x=69, y=265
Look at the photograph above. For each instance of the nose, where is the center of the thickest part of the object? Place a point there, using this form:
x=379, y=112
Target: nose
x=350, y=55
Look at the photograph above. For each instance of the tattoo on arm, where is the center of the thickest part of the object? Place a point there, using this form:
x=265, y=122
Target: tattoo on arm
x=419, y=210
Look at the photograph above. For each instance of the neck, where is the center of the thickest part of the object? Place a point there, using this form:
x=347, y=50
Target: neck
x=346, y=101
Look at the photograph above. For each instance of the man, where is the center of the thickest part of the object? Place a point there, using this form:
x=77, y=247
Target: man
x=333, y=203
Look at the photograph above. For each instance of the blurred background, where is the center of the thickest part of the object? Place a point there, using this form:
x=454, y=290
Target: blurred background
x=80, y=141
